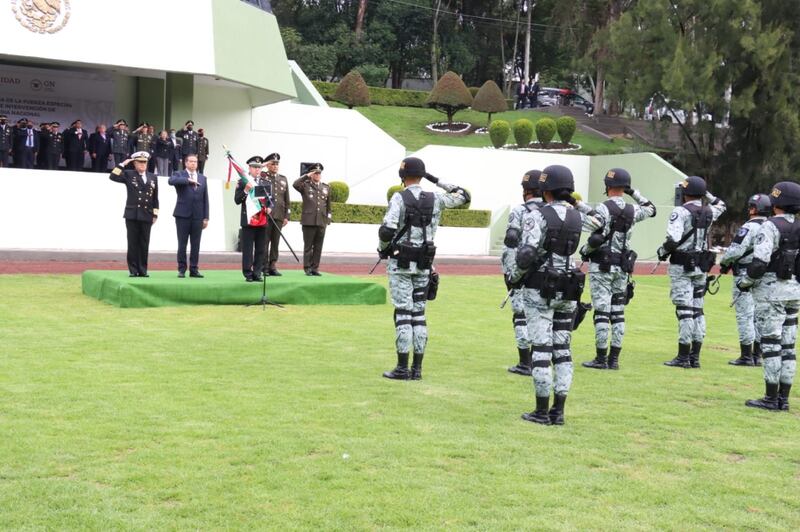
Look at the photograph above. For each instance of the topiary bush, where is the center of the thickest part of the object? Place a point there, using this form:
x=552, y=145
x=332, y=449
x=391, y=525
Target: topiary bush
x=392, y=190
x=523, y=132
x=374, y=75
x=339, y=191
x=352, y=91
x=499, y=130
x=566, y=126
x=489, y=100
x=545, y=130
x=450, y=95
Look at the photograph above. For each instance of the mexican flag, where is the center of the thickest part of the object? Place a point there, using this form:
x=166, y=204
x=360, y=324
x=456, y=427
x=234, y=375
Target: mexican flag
x=254, y=207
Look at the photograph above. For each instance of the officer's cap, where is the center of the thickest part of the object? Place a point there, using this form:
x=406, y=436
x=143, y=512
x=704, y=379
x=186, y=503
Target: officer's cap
x=617, y=178
x=315, y=168
x=256, y=161
x=3, y=117
x=189, y=123
x=530, y=181
x=141, y=156
x=693, y=186
x=22, y=120
x=273, y=157
x=556, y=177
x=411, y=167
x=55, y=123
x=785, y=194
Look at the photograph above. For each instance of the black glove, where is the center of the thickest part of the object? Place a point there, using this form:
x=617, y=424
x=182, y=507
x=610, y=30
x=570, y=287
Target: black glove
x=629, y=191
x=743, y=288
x=385, y=253
x=724, y=268
x=433, y=179
x=662, y=254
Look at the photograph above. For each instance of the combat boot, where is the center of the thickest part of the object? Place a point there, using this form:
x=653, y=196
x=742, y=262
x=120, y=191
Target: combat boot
x=783, y=396
x=746, y=356
x=599, y=361
x=694, y=355
x=757, y=353
x=539, y=415
x=557, y=412
x=682, y=360
x=400, y=373
x=416, y=367
x=613, y=357
x=524, y=366
x=769, y=401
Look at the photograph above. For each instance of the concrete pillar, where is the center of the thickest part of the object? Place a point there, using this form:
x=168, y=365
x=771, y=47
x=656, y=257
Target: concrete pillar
x=150, y=102
x=179, y=99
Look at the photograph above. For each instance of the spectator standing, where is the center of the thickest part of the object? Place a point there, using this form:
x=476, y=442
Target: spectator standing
x=54, y=147
x=202, y=150
x=26, y=144
x=75, y=145
x=163, y=151
x=6, y=140
x=100, y=149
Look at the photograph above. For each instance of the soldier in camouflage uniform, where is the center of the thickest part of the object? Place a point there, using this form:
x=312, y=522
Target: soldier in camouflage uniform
x=532, y=201
x=772, y=276
x=406, y=239
x=552, y=286
x=738, y=257
x=611, y=264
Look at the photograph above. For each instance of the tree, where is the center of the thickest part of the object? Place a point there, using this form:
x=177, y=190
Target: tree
x=352, y=91
x=450, y=95
x=489, y=100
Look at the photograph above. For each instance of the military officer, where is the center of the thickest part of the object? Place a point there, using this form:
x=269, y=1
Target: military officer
x=54, y=147
x=45, y=133
x=316, y=215
x=202, y=150
x=611, y=264
x=254, y=235
x=280, y=210
x=532, y=200
x=738, y=257
x=551, y=287
x=142, y=139
x=686, y=246
x=406, y=239
x=141, y=209
x=189, y=139
x=772, y=276
x=6, y=140
x=119, y=141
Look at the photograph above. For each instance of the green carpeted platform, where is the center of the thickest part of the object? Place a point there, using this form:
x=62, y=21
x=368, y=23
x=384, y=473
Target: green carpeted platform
x=227, y=287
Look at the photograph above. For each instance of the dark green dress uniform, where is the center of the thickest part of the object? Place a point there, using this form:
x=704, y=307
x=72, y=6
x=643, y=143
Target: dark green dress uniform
x=119, y=144
x=202, y=153
x=141, y=210
x=189, y=144
x=53, y=150
x=6, y=140
x=315, y=218
x=280, y=212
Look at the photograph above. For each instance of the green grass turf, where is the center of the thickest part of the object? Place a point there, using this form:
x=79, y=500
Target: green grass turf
x=226, y=417
x=407, y=126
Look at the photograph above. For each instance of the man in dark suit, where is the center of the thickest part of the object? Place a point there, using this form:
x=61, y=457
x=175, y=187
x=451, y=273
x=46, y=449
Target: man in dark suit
x=316, y=216
x=141, y=209
x=254, y=234
x=191, y=213
x=26, y=145
x=75, y=143
x=6, y=140
x=53, y=148
x=44, y=140
x=100, y=149
x=280, y=210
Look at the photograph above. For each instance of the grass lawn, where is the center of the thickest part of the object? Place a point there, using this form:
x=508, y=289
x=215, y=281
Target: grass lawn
x=230, y=417
x=407, y=126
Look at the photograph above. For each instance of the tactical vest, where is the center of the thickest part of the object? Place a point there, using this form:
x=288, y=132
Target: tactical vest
x=562, y=236
x=737, y=267
x=419, y=213
x=702, y=218
x=622, y=220
x=784, y=259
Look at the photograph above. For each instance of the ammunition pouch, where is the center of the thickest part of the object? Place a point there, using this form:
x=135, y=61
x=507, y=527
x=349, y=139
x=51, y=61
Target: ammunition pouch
x=629, y=289
x=704, y=260
x=784, y=264
x=605, y=259
x=551, y=281
x=423, y=256
x=433, y=285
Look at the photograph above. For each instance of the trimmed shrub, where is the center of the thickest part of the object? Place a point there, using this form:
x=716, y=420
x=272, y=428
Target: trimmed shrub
x=523, y=132
x=392, y=190
x=489, y=100
x=352, y=91
x=374, y=75
x=339, y=191
x=450, y=95
x=566, y=126
x=473, y=91
x=545, y=130
x=499, y=131
x=379, y=96
x=346, y=213
x=467, y=204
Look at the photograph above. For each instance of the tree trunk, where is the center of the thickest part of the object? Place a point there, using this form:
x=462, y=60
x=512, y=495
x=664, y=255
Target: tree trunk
x=514, y=56
x=527, y=67
x=502, y=49
x=362, y=11
x=435, y=43
x=599, y=89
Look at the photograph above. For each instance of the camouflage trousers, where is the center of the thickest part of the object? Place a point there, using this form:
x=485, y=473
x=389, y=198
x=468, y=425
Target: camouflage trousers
x=409, y=293
x=687, y=291
x=776, y=322
x=519, y=320
x=745, y=313
x=550, y=334
x=608, y=299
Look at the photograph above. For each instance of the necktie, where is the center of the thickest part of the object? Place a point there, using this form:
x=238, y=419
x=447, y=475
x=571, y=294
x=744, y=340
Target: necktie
x=30, y=139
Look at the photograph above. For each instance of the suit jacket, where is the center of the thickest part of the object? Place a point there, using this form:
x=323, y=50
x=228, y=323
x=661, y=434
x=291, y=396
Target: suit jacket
x=98, y=146
x=316, y=202
x=71, y=142
x=142, y=202
x=280, y=197
x=192, y=200
x=240, y=195
x=21, y=138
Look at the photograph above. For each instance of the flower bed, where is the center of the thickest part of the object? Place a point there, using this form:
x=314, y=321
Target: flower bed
x=449, y=129
x=535, y=146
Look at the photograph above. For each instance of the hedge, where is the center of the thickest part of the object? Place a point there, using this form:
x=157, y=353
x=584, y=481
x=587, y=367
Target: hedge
x=499, y=130
x=523, y=132
x=379, y=95
x=345, y=213
x=545, y=130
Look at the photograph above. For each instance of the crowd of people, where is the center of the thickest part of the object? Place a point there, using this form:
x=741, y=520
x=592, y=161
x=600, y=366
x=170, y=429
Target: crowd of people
x=47, y=147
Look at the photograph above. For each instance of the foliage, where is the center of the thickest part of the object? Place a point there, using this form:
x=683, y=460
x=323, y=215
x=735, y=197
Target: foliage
x=374, y=75
x=318, y=61
x=489, y=99
x=392, y=191
x=523, y=132
x=340, y=191
x=346, y=213
x=545, y=130
x=566, y=126
x=352, y=91
x=449, y=95
x=499, y=130
x=379, y=96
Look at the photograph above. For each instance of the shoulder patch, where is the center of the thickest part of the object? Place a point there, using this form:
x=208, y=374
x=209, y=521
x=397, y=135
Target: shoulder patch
x=760, y=238
x=743, y=232
x=673, y=216
x=528, y=223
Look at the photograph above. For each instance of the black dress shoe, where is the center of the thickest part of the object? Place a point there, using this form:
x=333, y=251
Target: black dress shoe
x=274, y=273
x=308, y=272
x=196, y=274
x=133, y=275
x=144, y=275
x=181, y=275
x=316, y=273
x=249, y=278
x=257, y=278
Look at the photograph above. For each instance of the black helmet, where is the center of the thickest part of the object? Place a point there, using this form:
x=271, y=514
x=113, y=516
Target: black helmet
x=617, y=178
x=411, y=167
x=693, y=186
x=761, y=203
x=530, y=181
x=785, y=194
x=556, y=177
